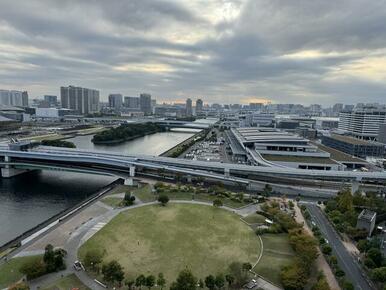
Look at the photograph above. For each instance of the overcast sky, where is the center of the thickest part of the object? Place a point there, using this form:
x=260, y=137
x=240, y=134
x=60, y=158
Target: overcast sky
x=304, y=51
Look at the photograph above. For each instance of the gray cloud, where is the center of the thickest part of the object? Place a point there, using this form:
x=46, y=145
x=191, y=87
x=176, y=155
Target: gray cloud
x=280, y=50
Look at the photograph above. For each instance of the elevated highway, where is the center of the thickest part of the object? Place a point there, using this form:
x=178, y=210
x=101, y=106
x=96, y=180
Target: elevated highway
x=118, y=164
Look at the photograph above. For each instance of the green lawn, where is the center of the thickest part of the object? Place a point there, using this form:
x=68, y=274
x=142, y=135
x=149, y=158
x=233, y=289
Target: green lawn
x=254, y=219
x=277, y=253
x=144, y=193
x=9, y=271
x=112, y=201
x=66, y=283
x=153, y=239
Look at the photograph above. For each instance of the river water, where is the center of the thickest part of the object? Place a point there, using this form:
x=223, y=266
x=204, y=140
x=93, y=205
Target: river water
x=31, y=198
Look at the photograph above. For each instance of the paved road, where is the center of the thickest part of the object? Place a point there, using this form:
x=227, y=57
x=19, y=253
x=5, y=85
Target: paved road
x=346, y=261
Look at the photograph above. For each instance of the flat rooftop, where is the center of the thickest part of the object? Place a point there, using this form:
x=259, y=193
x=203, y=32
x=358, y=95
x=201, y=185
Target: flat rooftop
x=354, y=141
x=299, y=159
x=256, y=135
x=339, y=155
x=367, y=215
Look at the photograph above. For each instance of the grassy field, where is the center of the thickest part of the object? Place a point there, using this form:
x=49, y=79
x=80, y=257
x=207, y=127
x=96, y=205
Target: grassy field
x=65, y=283
x=154, y=239
x=277, y=253
x=254, y=219
x=9, y=271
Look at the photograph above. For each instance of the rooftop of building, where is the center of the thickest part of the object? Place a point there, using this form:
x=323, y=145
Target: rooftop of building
x=299, y=159
x=367, y=215
x=339, y=155
x=256, y=135
x=353, y=141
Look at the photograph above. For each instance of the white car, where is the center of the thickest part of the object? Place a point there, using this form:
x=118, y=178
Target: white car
x=78, y=266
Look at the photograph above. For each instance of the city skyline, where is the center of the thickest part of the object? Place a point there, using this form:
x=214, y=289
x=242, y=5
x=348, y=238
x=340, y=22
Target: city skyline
x=227, y=51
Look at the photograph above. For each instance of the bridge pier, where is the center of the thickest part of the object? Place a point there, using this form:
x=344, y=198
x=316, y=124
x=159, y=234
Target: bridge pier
x=226, y=172
x=8, y=171
x=354, y=186
x=129, y=180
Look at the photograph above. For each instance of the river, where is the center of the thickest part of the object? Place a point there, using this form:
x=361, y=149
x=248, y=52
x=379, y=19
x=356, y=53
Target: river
x=31, y=198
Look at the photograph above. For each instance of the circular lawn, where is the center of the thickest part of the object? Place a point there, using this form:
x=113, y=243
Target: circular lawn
x=153, y=239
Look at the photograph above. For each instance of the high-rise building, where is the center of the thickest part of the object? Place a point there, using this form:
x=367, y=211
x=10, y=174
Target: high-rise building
x=24, y=97
x=145, y=103
x=81, y=100
x=199, y=106
x=363, y=122
x=14, y=98
x=51, y=100
x=115, y=101
x=337, y=108
x=131, y=102
x=189, y=110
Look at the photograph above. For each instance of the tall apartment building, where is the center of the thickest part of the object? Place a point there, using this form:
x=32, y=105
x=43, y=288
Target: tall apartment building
x=81, y=100
x=363, y=123
x=51, y=100
x=145, y=103
x=199, y=106
x=189, y=108
x=14, y=98
x=131, y=102
x=115, y=101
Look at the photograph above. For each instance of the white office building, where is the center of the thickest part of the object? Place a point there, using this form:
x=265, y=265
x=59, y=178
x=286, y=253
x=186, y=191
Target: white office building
x=363, y=123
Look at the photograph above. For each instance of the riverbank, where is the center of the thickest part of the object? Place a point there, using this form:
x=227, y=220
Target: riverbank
x=180, y=148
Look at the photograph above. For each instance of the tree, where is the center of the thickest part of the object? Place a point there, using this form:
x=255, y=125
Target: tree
x=219, y=281
x=217, y=202
x=49, y=258
x=247, y=266
x=210, y=282
x=230, y=279
x=129, y=283
x=185, y=281
x=326, y=249
x=113, y=272
x=161, y=281
x=163, y=199
x=236, y=271
x=379, y=274
x=128, y=199
x=93, y=258
x=140, y=281
x=375, y=255
x=321, y=284
x=150, y=281
x=294, y=276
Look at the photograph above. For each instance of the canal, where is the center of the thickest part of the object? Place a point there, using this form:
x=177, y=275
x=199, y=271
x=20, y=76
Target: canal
x=31, y=198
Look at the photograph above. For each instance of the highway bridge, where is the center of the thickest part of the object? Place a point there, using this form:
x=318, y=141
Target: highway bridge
x=54, y=158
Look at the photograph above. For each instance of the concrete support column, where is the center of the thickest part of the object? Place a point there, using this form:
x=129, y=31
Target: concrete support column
x=129, y=181
x=189, y=178
x=226, y=172
x=132, y=171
